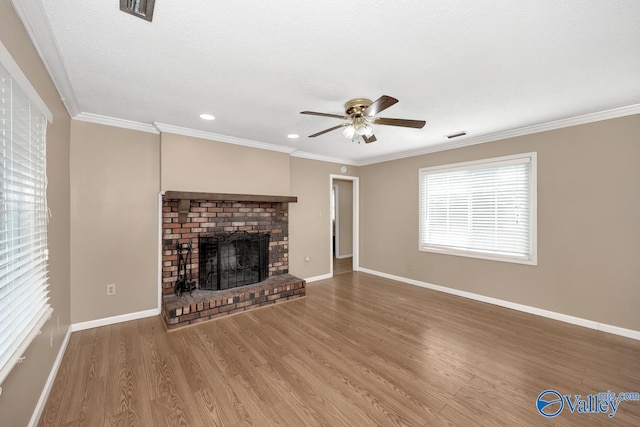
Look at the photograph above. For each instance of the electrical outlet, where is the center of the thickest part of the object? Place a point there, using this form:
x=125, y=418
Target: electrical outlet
x=307, y=259
x=111, y=289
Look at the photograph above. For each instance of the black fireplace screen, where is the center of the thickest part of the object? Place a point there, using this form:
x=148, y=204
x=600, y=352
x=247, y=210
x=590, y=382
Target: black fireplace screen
x=232, y=260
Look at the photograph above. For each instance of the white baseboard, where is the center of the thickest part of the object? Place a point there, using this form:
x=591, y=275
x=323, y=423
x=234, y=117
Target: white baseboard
x=115, y=319
x=44, y=396
x=616, y=330
x=344, y=256
x=316, y=278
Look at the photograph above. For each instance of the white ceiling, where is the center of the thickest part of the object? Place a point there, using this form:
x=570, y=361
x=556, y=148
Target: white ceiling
x=485, y=67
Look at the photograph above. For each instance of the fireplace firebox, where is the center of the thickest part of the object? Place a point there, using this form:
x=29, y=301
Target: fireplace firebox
x=230, y=260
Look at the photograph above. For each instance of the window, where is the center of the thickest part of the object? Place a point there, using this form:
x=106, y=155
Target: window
x=24, y=298
x=482, y=209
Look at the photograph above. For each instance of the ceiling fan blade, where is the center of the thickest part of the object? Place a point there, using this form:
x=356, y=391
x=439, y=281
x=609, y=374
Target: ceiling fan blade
x=418, y=124
x=370, y=139
x=379, y=105
x=328, y=130
x=313, y=113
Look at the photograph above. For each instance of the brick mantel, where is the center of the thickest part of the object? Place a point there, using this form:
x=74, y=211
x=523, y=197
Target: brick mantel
x=255, y=198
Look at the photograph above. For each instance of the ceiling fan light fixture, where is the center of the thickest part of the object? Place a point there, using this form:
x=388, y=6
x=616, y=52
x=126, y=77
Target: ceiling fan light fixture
x=368, y=132
x=349, y=132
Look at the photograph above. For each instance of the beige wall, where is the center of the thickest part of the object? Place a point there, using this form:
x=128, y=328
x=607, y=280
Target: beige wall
x=310, y=218
x=23, y=386
x=588, y=229
x=345, y=217
x=193, y=164
x=270, y=173
x=114, y=220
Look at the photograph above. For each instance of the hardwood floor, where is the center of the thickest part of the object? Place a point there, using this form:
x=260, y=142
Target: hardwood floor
x=358, y=350
x=342, y=265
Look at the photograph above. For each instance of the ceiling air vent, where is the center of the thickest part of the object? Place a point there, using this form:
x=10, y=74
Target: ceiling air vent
x=456, y=135
x=140, y=8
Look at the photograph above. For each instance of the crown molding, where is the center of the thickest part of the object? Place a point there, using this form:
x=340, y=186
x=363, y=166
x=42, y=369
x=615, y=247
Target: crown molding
x=113, y=121
x=613, y=113
x=322, y=158
x=464, y=142
x=163, y=127
x=34, y=19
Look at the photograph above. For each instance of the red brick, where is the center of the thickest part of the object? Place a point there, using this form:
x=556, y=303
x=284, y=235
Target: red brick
x=228, y=307
x=189, y=317
x=209, y=312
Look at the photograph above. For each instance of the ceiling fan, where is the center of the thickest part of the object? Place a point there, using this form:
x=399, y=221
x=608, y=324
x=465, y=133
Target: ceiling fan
x=361, y=114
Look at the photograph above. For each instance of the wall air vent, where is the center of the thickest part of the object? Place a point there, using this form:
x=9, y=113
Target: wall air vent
x=140, y=8
x=456, y=135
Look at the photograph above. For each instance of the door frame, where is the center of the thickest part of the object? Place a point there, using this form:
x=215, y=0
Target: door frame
x=356, y=220
x=336, y=212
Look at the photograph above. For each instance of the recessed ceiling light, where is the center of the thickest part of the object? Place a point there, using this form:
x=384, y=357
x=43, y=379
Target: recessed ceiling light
x=205, y=116
x=293, y=136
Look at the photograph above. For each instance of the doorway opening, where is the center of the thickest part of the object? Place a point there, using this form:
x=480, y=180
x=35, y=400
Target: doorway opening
x=344, y=224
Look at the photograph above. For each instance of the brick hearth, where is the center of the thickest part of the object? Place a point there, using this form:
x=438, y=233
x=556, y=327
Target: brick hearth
x=205, y=305
x=184, y=219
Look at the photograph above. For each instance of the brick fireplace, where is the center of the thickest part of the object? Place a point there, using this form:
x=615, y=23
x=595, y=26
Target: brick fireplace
x=190, y=218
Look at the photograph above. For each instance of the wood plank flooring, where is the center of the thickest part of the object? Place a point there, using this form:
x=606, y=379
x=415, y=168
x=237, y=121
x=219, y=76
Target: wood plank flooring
x=359, y=350
x=342, y=265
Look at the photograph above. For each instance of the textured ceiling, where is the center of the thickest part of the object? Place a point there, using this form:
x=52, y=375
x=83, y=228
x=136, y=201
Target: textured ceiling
x=484, y=67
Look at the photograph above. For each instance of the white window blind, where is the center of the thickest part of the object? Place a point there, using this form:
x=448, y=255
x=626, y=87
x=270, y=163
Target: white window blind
x=483, y=209
x=24, y=291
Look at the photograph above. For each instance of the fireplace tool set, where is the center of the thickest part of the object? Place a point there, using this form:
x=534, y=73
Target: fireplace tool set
x=185, y=282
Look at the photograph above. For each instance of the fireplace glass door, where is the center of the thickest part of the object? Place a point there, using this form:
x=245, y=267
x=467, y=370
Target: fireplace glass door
x=232, y=260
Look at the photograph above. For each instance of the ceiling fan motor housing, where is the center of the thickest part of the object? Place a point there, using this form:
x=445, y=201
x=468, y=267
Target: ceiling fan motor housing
x=355, y=107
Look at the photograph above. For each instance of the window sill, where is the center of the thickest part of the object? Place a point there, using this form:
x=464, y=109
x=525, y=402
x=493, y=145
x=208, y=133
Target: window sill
x=480, y=255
